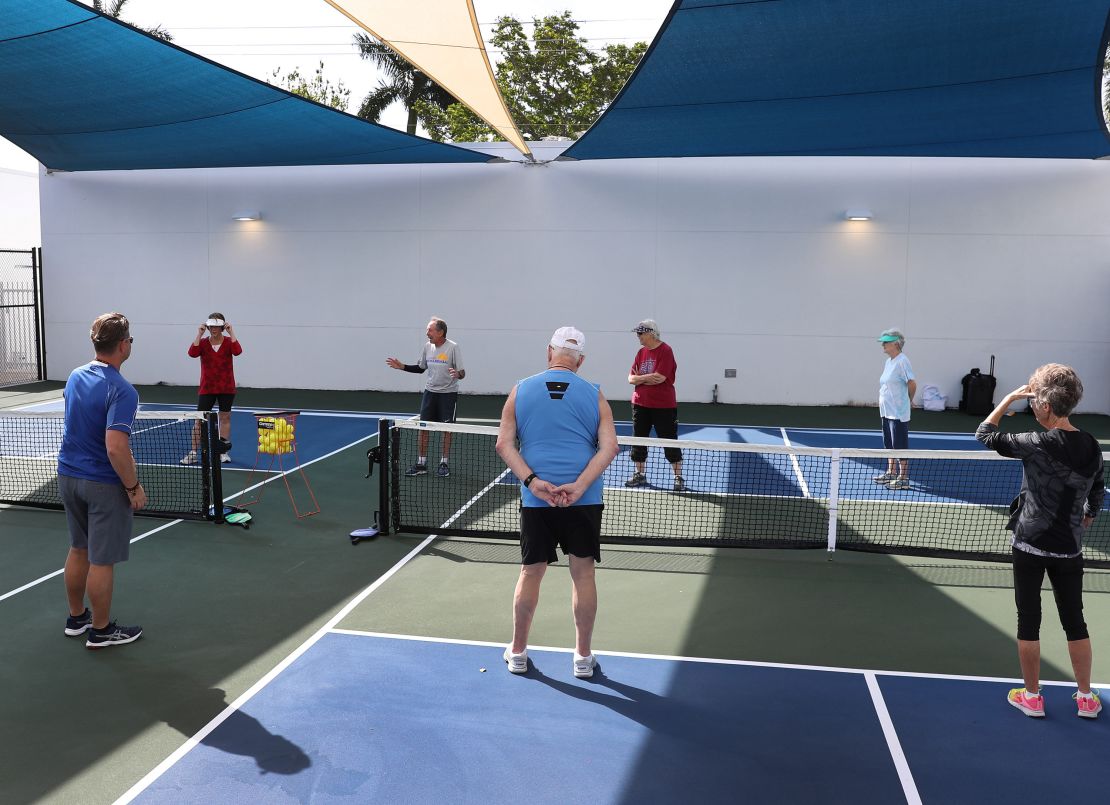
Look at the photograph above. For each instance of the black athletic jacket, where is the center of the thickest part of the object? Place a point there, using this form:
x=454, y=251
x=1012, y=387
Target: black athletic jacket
x=1063, y=482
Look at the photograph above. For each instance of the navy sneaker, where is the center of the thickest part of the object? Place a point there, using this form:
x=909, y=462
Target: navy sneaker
x=77, y=624
x=113, y=635
x=444, y=471
x=416, y=469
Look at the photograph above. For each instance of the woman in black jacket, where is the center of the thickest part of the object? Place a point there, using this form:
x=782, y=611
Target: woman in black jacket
x=1061, y=492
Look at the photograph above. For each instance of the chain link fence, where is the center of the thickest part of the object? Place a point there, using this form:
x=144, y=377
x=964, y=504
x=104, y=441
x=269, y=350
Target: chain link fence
x=22, y=357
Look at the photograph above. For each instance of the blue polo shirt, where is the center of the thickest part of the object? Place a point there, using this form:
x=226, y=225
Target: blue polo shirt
x=97, y=399
x=557, y=417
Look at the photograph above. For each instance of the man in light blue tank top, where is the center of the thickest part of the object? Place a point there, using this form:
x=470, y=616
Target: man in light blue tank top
x=566, y=437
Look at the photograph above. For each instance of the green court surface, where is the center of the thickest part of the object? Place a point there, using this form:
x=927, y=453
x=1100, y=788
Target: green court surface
x=222, y=606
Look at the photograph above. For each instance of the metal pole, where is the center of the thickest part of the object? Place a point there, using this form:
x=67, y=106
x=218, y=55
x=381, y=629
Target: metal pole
x=40, y=310
x=212, y=444
x=384, y=427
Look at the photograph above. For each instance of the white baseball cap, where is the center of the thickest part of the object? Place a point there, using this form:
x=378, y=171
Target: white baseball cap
x=569, y=338
x=646, y=326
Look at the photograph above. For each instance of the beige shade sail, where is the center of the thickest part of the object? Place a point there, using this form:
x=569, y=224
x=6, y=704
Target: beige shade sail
x=442, y=40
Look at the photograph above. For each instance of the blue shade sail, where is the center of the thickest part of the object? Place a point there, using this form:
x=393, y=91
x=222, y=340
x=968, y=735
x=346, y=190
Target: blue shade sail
x=84, y=92
x=954, y=78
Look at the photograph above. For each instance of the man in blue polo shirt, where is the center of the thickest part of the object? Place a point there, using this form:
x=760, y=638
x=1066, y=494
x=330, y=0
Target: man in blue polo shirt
x=99, y=482
x=567, y=439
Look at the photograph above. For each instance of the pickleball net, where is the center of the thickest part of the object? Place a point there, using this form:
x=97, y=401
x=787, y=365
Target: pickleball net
x=29, y=444
x=741, y=495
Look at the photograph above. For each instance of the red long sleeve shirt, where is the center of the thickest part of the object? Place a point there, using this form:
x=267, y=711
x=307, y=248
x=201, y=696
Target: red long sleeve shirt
x=217, y=375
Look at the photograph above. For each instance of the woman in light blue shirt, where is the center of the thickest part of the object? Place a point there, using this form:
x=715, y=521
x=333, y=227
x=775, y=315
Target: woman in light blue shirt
x=896, y=389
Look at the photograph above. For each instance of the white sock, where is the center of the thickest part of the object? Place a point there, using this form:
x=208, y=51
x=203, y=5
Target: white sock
x=443, y=460
x=1032, y=694
x=1083, y=695
x=422, y=460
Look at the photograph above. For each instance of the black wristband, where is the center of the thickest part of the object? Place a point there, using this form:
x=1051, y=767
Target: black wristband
x=130, y=489
x=529, y=479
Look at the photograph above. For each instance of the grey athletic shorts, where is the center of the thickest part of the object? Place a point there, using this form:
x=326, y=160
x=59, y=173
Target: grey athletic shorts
x=99, y=517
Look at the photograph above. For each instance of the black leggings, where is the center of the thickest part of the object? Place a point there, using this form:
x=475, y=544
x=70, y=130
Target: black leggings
x=1066, y=577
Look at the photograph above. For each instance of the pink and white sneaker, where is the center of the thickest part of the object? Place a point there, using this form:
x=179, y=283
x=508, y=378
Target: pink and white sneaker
x=1089, y=706
x=1032, y=706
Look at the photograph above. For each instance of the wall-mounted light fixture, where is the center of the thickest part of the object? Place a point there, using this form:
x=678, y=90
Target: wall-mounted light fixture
x=248, y=215
x=858, y=215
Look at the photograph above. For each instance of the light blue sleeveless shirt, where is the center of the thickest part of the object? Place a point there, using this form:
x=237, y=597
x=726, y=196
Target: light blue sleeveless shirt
x=557, y=417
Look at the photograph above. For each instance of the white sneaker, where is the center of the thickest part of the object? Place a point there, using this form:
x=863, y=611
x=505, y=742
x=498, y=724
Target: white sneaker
x=190, y=458
x=225, y=458
x=518, y=663
x=584, y=666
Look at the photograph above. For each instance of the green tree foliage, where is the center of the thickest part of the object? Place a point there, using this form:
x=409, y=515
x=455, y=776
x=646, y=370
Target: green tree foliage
x=554, y=84
x=317, y=88
x=113, y=9
x=402, y=82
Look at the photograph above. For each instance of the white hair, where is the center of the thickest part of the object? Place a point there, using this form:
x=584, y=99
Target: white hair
x=899, y=339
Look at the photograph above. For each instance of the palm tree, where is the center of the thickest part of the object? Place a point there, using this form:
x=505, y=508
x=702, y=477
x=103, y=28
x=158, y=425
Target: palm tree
x=113, y=8
x=403, y=83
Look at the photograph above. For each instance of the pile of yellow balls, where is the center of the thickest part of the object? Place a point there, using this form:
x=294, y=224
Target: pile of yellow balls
x=275, y=435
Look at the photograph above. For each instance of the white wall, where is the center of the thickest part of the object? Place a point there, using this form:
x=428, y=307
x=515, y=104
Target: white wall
x=19, y=209
x=745, y=263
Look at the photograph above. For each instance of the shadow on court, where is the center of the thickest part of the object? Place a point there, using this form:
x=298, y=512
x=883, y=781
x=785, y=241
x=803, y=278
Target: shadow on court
x=189, y=706
x=220, y=607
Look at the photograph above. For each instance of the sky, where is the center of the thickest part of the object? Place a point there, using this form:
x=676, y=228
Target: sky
x=257, y=37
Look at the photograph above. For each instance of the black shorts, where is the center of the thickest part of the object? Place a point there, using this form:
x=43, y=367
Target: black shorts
x=575, y=529
x=665, y=422
x=438, y=406
x=206, y=401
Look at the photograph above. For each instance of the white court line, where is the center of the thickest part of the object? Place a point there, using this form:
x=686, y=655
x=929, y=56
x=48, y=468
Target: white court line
x=785, y=666
x=192, y=742
x=164, y=526
x=797, y=468
x=905, y=776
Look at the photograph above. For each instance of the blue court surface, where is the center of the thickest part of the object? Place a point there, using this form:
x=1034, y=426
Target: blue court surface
x=318, y=433
x=375, y=718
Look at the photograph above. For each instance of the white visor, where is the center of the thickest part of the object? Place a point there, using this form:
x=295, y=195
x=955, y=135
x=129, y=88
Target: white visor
x=214, y=323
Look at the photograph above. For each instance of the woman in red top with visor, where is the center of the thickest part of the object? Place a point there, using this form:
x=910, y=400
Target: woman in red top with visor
x=217, y=376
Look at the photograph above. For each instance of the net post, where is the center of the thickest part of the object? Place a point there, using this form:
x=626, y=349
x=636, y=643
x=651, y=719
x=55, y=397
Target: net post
x=394, y=477
x=834, y=495
x=215, y=467
x=384, y=426
x=40, y=310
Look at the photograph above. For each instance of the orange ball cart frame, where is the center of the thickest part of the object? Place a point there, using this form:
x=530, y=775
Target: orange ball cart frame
x=277, y=438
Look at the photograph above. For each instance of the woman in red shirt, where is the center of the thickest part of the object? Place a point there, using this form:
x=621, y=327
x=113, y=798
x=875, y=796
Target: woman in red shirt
x=654, y=403
x=217, y=376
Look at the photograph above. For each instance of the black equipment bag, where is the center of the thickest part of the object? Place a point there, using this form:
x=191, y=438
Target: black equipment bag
x=978, y=398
